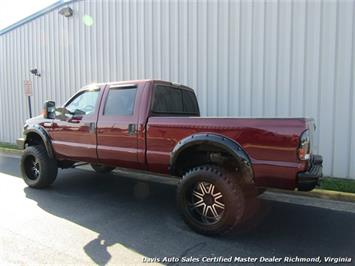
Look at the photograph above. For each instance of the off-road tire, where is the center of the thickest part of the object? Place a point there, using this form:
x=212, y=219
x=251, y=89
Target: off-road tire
x=236, y=199
x=102, y=169
x=47, y=167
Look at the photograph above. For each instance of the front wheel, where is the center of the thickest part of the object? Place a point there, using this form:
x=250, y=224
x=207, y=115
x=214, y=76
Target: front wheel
x=37, y=169
x=211, y=200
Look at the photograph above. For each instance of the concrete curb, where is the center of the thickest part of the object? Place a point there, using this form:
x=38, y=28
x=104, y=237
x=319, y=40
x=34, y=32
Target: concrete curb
x=330, y=194
x=6, y=151
x=321, y=194
x=316, y=193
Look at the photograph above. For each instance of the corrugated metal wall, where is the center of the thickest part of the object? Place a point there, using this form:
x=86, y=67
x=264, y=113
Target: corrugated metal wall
x=244, y=58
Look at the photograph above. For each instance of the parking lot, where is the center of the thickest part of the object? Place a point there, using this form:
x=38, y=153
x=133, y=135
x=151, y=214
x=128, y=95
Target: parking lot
x=87, y=218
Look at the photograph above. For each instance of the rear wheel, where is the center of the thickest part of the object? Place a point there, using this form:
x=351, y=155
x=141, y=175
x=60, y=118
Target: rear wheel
x=37, y=169
x=102, y=169
x=212, y=201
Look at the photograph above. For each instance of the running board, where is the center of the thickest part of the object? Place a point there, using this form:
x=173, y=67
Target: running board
x=146, y=176
x=78, y=164
x=140, y=175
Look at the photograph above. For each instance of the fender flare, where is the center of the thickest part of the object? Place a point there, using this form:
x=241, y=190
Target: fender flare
x=44, y=136
x=229, y=145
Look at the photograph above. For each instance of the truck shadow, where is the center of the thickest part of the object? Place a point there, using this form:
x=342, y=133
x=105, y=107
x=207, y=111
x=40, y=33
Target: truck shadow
x=143, y=218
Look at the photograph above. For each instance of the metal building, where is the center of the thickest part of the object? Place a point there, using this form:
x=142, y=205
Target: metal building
x=243, y=58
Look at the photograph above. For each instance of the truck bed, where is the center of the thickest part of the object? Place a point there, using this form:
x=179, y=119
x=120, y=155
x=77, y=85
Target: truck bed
x=270, y=143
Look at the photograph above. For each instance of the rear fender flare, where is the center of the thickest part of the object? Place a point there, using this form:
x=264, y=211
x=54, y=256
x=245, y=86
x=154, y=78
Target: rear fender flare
x=227, y=144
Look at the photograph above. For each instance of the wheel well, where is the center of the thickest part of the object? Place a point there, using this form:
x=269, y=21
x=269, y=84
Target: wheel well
x=34, y=139
x=208, y=153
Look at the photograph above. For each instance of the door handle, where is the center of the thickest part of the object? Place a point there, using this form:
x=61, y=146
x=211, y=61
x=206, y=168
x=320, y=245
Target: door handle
x=91, y=126
x=132, y=129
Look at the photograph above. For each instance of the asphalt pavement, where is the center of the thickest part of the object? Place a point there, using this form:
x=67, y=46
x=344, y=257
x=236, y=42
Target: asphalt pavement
x=87, y=218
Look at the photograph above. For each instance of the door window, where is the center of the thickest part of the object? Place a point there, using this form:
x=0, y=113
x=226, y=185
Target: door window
x=120, y=101
x=84, y=103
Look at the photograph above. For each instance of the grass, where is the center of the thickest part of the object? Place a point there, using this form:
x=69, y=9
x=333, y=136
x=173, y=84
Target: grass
x=9, y=146
x=338, y=184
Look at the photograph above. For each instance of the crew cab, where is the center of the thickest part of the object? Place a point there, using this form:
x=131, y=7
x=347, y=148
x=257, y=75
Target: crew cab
x=154, y=127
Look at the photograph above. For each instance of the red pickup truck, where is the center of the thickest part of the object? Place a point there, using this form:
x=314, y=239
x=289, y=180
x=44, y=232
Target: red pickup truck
x=155, y=127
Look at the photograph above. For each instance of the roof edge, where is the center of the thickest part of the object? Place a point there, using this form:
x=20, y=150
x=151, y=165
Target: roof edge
x=36, y=15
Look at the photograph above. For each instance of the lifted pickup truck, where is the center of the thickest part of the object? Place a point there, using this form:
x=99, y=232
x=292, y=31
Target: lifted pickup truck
x=155, y=127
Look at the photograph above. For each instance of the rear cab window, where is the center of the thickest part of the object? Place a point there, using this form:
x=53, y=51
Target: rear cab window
x=174, y=101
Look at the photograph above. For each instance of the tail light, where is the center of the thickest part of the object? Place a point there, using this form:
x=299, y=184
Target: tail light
x=304, y=149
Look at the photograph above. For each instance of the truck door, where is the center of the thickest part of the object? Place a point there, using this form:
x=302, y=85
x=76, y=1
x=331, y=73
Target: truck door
x=117, y=135
x=73, y=131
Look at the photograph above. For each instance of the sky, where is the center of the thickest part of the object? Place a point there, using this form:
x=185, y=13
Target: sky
x=12, y=11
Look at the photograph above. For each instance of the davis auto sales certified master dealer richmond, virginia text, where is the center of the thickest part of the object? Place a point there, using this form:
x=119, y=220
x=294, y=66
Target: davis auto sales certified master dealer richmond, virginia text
x=231, y=259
